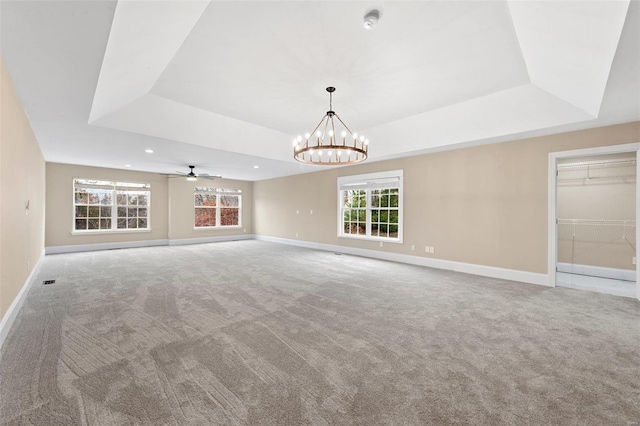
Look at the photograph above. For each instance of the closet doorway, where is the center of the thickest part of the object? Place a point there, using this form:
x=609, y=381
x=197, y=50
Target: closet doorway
x=595, y=211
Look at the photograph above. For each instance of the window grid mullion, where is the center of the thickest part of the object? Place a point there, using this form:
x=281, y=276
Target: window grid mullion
x=114, y=210
x=218, y=210
x=368, y=207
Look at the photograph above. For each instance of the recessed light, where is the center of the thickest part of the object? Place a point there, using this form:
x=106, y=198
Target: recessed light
x=256, y=167
x=148, y=151
x=127, y=165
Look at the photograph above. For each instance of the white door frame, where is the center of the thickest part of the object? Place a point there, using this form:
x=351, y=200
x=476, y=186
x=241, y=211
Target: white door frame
x=552, y=203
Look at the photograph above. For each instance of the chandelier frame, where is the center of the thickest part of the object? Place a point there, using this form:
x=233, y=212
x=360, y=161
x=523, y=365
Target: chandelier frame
x=356, y=150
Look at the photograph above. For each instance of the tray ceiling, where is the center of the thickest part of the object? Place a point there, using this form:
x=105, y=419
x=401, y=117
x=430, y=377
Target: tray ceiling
x=227, y=85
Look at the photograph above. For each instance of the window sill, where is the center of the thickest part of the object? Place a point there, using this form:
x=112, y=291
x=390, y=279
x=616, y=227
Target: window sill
x=376, y=239
x=110, y=231
x=211, y=228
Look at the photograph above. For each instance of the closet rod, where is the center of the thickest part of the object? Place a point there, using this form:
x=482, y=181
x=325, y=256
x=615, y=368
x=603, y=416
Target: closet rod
x=602, y=163
x=610, y=222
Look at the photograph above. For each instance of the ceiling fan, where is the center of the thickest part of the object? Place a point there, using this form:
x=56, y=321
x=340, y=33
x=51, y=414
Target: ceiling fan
x=191, y=176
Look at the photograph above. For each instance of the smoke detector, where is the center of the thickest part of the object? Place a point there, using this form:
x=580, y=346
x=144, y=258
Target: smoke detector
x=371, y=19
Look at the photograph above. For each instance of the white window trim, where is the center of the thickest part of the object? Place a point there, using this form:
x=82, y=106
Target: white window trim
x=114, y=210
x=218, y=210
x=345, y=180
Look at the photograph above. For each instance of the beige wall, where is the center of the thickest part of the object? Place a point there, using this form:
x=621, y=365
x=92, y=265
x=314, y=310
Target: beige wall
x=22, y=180
x=484, y=205
x=59, y=223
x=181, y=208
x=172, y=210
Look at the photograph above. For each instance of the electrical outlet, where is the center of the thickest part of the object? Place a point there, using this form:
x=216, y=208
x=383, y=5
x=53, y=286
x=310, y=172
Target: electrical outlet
x=297, y=211
x=633, y=260
x=432, y=250
x=310, y=211
x=381, y=244
x=296, y=235
x=413, y=247
x=244, y=230
x=426, y=249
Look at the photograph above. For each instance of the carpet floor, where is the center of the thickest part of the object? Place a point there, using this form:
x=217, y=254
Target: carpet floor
x=256, y=333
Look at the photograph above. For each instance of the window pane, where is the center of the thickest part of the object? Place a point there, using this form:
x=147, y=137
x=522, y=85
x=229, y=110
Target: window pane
x=132, y=185
x=94, y=198
x=132, y=199
x=393, y=216
x=122, y=199
x=229, y=201
x=105, y=198
x=82, y=198
x=94, y=224
x=229, y=217
x=122, y=223
x=142, y=212
x=143, y=200
x=94, y=211
x=81, y=211
x=81, y=224
x=132, y=212
x=92, y=182
x=142, y=223
x=132, y=223
x=205, y=217
x=105, y=223
x=122, y=212
x=105, y=211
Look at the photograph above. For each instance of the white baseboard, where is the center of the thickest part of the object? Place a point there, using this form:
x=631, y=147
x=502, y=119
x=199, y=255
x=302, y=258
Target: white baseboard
x=12, y=312
x=180, y=242
x=104, y=246
x=597, y=271
x=468, y=268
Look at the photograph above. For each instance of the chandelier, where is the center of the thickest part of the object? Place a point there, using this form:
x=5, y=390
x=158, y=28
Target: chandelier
x=326, y=147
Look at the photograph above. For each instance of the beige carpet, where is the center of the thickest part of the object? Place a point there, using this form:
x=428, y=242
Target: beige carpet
x=251, y=332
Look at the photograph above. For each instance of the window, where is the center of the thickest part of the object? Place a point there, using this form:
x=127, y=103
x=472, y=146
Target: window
x=217, y=207
x=370, y=206
x=101, y=205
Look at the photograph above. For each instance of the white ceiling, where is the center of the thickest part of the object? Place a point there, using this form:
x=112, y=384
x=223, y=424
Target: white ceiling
x=227, y=85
